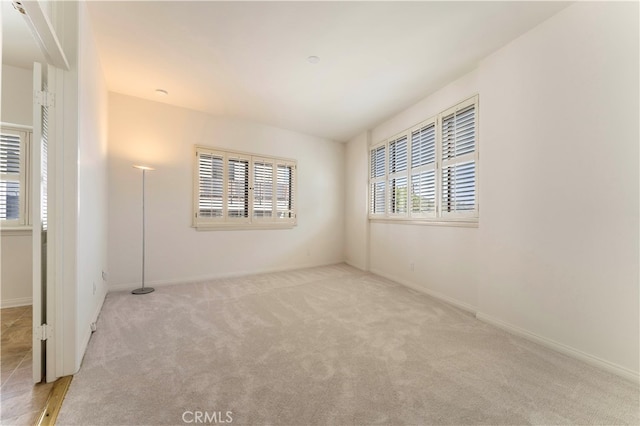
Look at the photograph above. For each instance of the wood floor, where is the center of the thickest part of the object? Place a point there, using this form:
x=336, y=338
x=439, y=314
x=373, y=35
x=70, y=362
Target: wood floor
x=21, y=401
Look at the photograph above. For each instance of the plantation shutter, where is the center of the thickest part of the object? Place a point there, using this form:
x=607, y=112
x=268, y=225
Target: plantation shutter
x=238, y=187
x=235, y=190
x=262, y=189
x=423, y=173
x=377, y=180
x=211, y=186
x=398, y=179
x=285, y=192
x=12, y=144
x=459, y=160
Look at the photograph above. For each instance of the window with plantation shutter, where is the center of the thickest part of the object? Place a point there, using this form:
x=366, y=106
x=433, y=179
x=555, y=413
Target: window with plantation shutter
x=13, y=191
x=238, y=190
x=430, y=171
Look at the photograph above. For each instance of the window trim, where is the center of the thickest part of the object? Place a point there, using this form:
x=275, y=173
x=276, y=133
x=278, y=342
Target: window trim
x=24, y=179
x=225, y=222
x=438, y=217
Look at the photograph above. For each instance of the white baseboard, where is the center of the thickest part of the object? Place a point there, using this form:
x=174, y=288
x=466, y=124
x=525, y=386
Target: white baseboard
x=548, y=343
x=160, y=283
x=450, y=300
x=13, y=303
x=562, y=348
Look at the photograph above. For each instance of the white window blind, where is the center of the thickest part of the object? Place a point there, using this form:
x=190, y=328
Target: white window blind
x=238, y=187
x=210, y=185
x=13, y=160
x=398, y=178
x=284, y=191
x=423, y=176
x=236, y=190
x=263, y=189
x=377, y=181
x=430, y=172
x=459, y=160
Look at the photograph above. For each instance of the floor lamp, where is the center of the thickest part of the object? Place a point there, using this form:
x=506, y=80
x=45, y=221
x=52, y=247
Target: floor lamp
x=143, y=289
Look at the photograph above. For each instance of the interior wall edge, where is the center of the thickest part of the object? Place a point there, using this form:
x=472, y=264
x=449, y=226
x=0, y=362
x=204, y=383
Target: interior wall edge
x=355, y=265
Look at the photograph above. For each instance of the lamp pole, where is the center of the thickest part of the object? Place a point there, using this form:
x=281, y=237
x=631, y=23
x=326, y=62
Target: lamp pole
x=143, y=289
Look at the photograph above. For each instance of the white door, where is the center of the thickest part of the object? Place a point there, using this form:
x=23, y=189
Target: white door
x=43, y=108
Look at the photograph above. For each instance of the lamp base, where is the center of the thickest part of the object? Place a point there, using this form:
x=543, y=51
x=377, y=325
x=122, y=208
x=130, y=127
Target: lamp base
x=143, y=290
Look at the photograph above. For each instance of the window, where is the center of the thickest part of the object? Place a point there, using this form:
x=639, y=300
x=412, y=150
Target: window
x=237, y=190
x=430, y=172
x=14, y=154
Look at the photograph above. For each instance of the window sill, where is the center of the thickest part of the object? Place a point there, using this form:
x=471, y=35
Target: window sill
x=9, y=231
x=457, y=223
x=243, y=227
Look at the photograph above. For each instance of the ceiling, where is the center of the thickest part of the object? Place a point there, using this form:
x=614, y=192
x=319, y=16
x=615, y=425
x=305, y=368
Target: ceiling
x=248, y=60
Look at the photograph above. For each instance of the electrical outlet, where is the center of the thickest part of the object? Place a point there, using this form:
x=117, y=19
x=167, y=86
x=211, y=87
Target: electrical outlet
x=104, y=276
x=411, y=266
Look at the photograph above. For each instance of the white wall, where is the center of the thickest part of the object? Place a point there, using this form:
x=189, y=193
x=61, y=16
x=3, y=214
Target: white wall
x=92, y=183
x=559, y=181
x=16, y=271
x=153, y=133
x=17, y=95
x=355, y=202
x=556, y=251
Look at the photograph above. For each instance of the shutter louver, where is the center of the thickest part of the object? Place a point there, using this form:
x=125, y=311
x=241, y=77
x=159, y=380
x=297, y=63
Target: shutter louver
x=398, y=156
x=423, y=146
x=10, y=170
x=423, y=175
x=262, y=189
x=377, y=199
x=423, y=192
x=459, y=187
x=9, y=200
x=377, y=162
x=285, y=201
x=459, y=161
x=377, y=191
x=459, y=133
x=398, y=164
x=43, y=164
x=398, y=194
x=210, y=186
x=238, y=188
x=10, y=147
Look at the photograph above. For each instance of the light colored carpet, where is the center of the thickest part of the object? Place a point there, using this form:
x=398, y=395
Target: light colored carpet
x=328, y=345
